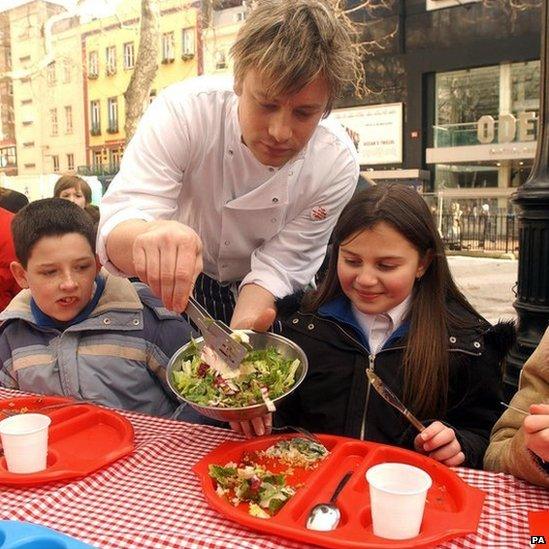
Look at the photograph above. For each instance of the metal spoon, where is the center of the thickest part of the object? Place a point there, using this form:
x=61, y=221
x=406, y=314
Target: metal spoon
x=325, y=516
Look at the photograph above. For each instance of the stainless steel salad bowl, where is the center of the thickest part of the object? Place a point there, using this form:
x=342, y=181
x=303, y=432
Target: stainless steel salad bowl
x=284, y=346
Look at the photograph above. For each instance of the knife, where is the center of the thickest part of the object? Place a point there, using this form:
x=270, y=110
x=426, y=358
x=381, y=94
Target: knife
x=392, y=399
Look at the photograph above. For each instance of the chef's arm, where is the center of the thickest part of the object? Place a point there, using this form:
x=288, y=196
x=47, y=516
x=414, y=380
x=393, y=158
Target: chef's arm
x=164, y=254
x=255, y=309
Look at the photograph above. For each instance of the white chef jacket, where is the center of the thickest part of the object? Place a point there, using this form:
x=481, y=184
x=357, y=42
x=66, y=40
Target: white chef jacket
x=259, y=224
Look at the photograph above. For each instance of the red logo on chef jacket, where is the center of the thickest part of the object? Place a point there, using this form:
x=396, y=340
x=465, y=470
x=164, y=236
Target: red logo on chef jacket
x=318, y=213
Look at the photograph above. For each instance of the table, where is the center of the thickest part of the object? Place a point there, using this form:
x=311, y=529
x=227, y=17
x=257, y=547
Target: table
x=152, y=499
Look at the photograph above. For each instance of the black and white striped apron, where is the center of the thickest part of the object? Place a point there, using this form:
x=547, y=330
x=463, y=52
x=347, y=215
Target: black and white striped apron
x=218, y=298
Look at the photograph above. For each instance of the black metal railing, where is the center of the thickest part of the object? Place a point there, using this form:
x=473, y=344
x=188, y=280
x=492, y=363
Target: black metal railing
x=497, y=232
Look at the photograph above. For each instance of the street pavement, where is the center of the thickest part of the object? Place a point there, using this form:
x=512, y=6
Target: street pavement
x=487, y=283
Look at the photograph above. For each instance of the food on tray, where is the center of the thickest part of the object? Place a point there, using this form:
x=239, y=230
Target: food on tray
x=297, y=452
x=253, y=482
x=265, y=374
x=265, y=491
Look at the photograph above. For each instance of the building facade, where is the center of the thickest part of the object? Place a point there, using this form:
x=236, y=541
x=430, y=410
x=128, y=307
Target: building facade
x=467, y=77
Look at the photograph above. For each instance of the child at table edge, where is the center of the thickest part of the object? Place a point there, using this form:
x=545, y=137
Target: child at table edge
x=77, y=331
x=520, y=445
x=388, y=302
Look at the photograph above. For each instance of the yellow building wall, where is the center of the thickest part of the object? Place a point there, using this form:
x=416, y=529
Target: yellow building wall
x=116, y=31
x=30, y=92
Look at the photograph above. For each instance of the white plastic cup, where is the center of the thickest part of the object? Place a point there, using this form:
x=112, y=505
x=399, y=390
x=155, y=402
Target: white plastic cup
x=25, y=442
x=397, y=496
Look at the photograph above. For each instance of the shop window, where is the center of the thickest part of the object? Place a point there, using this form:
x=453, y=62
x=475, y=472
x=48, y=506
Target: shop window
x=462, y=97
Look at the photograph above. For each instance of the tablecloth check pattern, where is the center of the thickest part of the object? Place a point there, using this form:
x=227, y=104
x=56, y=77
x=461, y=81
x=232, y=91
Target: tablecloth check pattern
x=152, y=499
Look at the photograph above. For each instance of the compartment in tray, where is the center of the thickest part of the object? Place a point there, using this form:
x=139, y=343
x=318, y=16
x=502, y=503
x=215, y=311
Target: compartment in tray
x=81, y=440
x=345, y=457
x=445, y=493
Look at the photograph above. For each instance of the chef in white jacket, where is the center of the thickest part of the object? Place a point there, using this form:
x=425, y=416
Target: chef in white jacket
x=232, y=187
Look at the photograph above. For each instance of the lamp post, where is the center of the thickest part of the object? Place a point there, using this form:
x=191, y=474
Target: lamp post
x=532, y=303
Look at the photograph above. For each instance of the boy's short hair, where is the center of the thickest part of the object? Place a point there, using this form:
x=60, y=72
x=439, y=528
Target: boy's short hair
x=48, y=217
x=291, y=42
x=72, y=182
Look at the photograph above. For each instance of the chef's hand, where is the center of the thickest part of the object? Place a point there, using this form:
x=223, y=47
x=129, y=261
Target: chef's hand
x=536, y=430
x=168, y=257
x=254, y=310
x=257, y=426
x=440, y=443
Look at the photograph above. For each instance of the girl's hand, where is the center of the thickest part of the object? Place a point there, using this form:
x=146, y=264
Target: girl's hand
x=258, y=426
x=536, y=430
x=440, y=443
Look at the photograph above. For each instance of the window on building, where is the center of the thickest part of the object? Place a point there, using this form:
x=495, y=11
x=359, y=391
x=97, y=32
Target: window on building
x=93, y=64
x=152, y=96
x=68, y=119
x=115, y=156
x=525, y=87
x=26, y=101
x=70, y=161
x=97, y=159
x=112, y=103
x=220, y=60
x=187, y=42
x=95, y=116
x=111, y=59
x=8, y=157
x=66, y=71
x=51, y=77
x=54, y=127
x=129, y=55
x=168, y=47
x=240, y=16
x=55, y=162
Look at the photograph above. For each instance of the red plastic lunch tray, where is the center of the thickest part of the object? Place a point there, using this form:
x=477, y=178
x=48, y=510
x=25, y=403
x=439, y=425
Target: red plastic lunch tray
x=81, y=439
x=452, y=509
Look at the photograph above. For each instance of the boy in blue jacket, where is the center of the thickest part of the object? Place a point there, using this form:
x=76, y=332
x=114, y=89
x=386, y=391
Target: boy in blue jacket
x=76, y=330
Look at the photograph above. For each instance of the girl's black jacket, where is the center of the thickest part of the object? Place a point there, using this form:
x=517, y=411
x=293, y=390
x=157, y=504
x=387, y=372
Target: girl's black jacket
x=336, y=398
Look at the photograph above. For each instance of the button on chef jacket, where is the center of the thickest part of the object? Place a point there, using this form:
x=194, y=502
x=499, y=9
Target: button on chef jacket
x=258, y=224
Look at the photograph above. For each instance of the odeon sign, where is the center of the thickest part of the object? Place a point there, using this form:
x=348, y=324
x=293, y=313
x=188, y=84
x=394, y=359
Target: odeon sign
x=508, y=129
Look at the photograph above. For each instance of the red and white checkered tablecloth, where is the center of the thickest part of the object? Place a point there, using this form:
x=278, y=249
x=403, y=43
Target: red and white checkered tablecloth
x=153, y=499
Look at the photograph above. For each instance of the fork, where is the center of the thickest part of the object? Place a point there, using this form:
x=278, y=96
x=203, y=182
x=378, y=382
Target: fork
x=307, y=434
x=10, y=413
x=216, y=334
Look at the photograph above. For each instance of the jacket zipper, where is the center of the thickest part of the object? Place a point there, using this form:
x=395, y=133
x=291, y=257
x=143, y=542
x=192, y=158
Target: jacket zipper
x=371, y=360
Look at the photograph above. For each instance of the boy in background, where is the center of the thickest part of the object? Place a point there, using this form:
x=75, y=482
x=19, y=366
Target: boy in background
x=77, y=331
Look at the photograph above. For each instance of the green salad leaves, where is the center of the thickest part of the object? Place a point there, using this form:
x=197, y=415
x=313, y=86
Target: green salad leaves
x=264, y=371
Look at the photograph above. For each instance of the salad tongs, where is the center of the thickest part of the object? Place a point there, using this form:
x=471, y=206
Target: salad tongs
x=217, y=334
x=392, y=399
